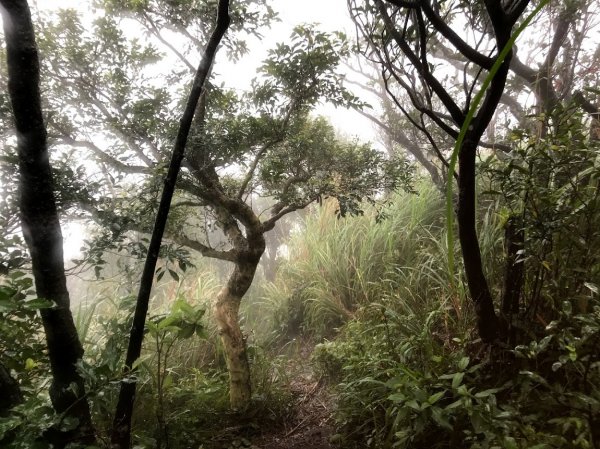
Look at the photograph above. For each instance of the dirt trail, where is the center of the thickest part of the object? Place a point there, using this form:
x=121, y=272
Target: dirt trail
x=312, y=425
x=309, y=425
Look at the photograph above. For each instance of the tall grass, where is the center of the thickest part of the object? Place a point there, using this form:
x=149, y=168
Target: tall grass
x=339, y=267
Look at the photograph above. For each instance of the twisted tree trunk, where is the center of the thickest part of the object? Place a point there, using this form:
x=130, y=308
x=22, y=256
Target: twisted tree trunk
x=226, y=310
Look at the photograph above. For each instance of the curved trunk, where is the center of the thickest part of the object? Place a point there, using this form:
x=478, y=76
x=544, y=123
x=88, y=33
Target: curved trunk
x=488, y=323
x=226, y=310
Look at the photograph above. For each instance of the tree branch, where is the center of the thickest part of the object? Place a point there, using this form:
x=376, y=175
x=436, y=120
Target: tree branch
x=203, y=249
x=156, y=32
x=439, y=90
x=270, y=223
x=102, y=155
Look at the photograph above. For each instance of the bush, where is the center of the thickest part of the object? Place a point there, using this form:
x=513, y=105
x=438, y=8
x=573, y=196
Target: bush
x=400, y=389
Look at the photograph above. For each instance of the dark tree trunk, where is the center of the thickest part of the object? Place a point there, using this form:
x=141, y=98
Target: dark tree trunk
x=501, y=19
x=10, y=393
x=514, y=240
x=487, y=321
x=39, y=219
x=121, y=431
x=488, y=324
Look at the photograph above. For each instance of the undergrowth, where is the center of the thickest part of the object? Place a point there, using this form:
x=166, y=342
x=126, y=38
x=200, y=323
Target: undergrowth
x=398, y=345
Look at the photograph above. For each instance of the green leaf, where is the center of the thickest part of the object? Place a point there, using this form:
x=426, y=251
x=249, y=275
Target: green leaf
x=38, y=303
x=397, y=397
x=510, y=443
x=186, y=331
x=455, y=404
x=457, y=379
x=486, y=393
x=440, y=419
x=413, y=404
x=556, y=366
x=7, y=305
x=535, y=377
x=30, y=364
x=68, y=423
x=174, y=274
x=592, y=287
x=436, y=397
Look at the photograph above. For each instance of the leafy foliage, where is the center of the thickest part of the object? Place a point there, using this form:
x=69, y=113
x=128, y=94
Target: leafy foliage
x=550, y=184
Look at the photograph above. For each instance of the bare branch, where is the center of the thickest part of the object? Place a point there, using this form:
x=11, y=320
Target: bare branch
x=102, y=155
x=151, y=26
x=203, y=249
x=451, y=106
x=270, y=223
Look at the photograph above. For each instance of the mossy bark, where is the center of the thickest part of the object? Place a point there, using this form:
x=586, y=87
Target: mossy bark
x=234, y=344
x=226, y=311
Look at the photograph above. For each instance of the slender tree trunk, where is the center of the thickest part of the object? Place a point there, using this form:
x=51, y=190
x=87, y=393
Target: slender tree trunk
x=39, y=220
x=226, y=310
x=121, y=431
x=487, y=321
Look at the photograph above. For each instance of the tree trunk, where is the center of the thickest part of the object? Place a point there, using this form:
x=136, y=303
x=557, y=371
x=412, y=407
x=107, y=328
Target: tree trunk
x=514, y=240
x=488, y=324
x=226, y=310
x=10, y=393
x=39, y=220
x=487, y=321
x=269, y=260
x=121, y=431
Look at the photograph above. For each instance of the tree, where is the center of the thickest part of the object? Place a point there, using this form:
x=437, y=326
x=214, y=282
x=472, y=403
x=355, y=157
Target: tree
x=430, y=75
x=399, y=36
x=121, y=435
x=40, y=222
x=260, y=143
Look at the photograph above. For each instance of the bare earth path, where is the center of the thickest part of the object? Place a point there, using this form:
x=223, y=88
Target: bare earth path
x=309, y=425
x=312, y=425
